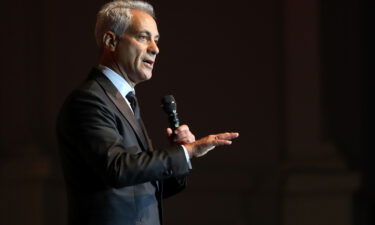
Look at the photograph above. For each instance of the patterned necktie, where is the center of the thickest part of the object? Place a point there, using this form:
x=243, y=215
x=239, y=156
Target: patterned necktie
x=134, y=104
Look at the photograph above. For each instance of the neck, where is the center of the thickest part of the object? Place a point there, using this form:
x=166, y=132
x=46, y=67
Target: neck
x=113, y=65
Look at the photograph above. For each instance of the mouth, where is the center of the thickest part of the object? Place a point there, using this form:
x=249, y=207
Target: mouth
x=149, y=63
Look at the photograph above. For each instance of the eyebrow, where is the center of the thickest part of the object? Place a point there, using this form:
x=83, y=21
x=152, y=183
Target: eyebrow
x=149, y=33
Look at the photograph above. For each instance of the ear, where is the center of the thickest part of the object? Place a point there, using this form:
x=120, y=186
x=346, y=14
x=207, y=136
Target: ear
x=110, y=41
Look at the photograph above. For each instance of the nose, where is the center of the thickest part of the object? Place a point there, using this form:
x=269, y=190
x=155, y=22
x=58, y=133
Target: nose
x=153, y=48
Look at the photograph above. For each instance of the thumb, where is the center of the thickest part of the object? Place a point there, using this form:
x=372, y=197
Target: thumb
x=169, y=132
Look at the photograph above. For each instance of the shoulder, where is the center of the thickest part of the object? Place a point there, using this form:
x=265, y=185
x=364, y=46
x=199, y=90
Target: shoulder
x=90, y=94
x=89, y=88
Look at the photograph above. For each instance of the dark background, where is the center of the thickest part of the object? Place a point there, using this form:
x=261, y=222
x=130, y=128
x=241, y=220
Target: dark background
x=291, y=76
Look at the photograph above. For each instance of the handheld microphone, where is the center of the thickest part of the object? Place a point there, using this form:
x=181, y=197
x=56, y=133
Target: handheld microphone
x=170, y=107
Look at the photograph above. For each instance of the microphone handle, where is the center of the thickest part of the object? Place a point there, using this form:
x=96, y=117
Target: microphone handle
x=174, y=122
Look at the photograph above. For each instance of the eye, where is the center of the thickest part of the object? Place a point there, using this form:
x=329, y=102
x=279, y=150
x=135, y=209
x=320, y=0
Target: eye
x=143, y=37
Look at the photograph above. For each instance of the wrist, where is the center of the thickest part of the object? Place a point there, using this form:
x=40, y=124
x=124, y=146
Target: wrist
x=189, y=149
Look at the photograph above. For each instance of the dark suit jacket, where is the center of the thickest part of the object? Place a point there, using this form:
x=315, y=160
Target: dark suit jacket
x=113, y=175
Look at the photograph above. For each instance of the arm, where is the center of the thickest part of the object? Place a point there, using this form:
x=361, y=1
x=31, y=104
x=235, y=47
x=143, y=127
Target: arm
x=195, y=148
x=89, y=129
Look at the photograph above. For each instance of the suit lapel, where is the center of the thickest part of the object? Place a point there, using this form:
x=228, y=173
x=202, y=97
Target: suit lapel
x=146, y=135
x=121, y=105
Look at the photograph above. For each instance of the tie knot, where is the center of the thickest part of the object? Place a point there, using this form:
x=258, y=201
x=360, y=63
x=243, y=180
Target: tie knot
x=130, y=95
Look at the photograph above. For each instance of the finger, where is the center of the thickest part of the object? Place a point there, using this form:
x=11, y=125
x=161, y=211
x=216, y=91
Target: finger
x=227, y=136
x=189, y=136
x=180, y=137
x=222, y=142
x=181, y=129
x=182, y=134
x=189, y=139
x=186, y=140
x=169, y=132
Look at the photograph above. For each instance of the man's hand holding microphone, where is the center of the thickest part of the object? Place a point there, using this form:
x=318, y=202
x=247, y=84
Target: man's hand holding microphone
x=182, y=134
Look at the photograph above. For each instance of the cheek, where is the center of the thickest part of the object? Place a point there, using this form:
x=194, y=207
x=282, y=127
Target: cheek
x=134, y=55
x=138, y=60
x=139, y=52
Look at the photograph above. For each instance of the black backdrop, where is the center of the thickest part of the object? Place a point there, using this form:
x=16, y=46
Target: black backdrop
x=228, y=64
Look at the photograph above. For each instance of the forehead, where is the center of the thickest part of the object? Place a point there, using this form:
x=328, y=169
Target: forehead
x=141, y=21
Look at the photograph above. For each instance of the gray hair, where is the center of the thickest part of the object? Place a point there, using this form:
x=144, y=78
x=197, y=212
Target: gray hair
x=116, y=16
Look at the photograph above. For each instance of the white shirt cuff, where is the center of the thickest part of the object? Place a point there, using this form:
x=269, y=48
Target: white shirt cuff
x=187, y=157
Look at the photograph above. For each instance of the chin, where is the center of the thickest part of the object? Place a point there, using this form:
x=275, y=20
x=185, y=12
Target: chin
x=147, y=75
x=144, y=77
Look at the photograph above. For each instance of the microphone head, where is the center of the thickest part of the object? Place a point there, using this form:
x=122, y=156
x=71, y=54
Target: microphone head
x=169, y=104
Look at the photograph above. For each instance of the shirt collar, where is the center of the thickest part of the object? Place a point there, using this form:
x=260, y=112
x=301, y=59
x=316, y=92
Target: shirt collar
x=120, y=83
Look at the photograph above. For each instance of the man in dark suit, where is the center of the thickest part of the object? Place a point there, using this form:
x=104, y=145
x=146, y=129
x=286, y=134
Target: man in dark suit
x=113, y=174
